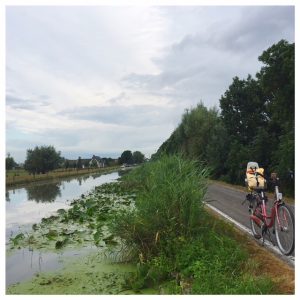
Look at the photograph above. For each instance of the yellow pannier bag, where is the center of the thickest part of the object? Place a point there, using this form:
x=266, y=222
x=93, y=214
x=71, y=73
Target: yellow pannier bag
x=255, y=182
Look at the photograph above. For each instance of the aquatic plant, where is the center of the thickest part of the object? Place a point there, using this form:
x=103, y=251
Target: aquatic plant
x=84, y=222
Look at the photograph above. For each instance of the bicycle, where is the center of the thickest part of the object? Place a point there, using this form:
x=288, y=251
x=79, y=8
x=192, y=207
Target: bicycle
x=281, y=219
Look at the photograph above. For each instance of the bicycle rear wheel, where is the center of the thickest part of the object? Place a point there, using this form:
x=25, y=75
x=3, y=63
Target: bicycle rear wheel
x=255, y=228
x=285, y=230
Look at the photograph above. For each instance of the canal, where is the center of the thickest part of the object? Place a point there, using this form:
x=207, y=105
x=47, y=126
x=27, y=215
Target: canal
x=28, y=205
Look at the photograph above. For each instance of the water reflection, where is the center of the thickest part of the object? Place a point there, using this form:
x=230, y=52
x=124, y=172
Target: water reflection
x=44, y=193
x=29, y=204
x=7, y=196
x=49, y=192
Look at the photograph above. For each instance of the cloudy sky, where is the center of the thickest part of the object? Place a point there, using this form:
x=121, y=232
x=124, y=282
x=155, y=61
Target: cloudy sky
x=100, y=80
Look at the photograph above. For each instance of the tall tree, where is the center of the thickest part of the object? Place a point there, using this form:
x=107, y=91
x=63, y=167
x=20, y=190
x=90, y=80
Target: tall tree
x=243, y=109
x=42, y=159
x=138, y=157
x=9, y=162
x=126, y=157
x=79, y=163
x=277, y=79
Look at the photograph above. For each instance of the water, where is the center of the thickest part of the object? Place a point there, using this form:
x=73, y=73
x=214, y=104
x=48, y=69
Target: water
x=24, y=263
x=28, y=205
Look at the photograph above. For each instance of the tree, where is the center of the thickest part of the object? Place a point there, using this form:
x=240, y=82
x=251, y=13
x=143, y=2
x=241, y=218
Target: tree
x=277, y=79
x=79, y=163
x=42, y=159
x=9, y=162
x=126, y=157
x=67, y=164
x=138, y=157
x=243, y=109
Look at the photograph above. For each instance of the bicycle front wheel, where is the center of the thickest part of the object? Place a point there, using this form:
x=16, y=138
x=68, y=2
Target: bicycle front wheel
x=285, y=230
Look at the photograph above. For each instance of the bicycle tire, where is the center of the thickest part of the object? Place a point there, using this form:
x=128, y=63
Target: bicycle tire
x=285, y=231
x=256, y=230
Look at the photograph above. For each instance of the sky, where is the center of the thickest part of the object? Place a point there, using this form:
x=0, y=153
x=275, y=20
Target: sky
x=101, y=80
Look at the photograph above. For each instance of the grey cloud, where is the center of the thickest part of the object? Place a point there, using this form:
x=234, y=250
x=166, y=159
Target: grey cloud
x=201, y=66
x=65, y=138
x=256, y=28
x=117, y=99
x=134, y=115
x=22, y=103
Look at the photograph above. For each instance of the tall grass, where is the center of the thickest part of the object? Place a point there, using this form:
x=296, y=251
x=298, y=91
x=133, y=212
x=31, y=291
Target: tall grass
x=168, y=204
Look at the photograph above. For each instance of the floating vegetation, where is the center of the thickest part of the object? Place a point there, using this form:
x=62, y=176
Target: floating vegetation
x=84, y=222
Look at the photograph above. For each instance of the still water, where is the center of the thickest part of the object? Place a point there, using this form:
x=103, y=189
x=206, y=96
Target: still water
x=28, y=205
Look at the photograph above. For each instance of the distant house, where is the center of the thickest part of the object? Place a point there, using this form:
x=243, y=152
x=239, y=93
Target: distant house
x=97, y=160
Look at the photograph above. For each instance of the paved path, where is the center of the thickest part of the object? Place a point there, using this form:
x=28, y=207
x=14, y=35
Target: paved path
x=229, y=201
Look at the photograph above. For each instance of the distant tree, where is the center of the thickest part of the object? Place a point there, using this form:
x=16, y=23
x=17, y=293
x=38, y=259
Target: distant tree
x=126, y=157
x=138, y=157
x=79, y=163
x=67, y=164
x=42, y=159
x=9, y=162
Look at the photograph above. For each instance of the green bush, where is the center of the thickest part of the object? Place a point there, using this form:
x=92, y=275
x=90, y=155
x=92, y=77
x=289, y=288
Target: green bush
x=168, y=204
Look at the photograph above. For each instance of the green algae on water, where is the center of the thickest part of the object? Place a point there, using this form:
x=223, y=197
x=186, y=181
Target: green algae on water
x=88, y=275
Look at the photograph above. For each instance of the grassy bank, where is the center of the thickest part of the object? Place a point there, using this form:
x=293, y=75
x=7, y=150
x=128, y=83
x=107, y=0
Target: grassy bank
x=15, y=177
x=179, y=246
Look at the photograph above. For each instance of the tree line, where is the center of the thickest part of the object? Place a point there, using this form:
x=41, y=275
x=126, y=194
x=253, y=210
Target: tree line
x=43, y=159
x=255, y=122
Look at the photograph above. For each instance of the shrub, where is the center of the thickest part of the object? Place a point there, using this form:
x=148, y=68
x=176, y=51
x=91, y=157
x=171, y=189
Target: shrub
x=169, y=204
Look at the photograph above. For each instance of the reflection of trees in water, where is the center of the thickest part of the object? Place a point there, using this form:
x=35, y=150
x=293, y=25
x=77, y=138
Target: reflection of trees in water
x=96, y=175
x=8, y=193
x=7, y=196
x=44, y=193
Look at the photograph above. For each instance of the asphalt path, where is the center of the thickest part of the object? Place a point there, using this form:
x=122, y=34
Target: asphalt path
x=229, y=201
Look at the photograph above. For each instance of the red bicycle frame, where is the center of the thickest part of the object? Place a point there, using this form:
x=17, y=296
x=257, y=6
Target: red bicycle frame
x=263, y=214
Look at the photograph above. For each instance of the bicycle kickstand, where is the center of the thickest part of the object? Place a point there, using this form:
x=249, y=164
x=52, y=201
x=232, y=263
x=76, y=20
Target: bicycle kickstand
x=264, y=230
x=271, y=238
